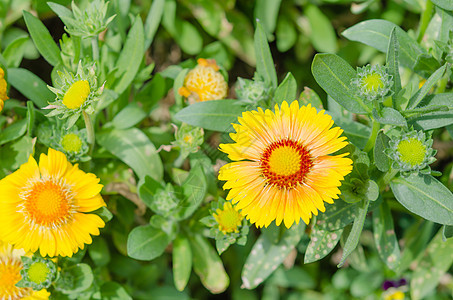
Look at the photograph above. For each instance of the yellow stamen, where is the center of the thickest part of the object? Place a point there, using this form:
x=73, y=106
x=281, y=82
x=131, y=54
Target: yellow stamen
x=38, y=272
x=373, y=82
x=71, y=143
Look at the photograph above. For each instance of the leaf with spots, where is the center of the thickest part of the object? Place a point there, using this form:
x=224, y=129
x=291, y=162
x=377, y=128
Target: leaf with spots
x=321, y=244
x=384, y=236
x=337, y=215
x=433, y=265
x=266, y=256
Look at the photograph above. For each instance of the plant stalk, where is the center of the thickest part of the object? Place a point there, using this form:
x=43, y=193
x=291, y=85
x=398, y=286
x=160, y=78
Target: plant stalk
x=90, y=130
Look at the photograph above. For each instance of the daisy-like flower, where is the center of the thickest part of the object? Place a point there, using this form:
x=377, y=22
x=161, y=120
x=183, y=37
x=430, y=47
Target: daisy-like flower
x=3, y=96
x=10, y=268
x=282, y=169
x=228, y=218
x=204, y=82
x=46, y=206
x=37, y=272
x=75, y=93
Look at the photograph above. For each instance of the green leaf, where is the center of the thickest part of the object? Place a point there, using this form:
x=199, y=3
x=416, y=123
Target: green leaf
x=296, y=277
x=309, y=96
x=131, y=56
x=209, y=14
x=147, y=189
x=134, y=148
x=286, y=91
x=146, y=242
x=384, y=236
x=365, y=284
x=153, y=91
x=389, y=116
x=182, y=262
x=75, y=279
x=266, y=11
x=436, y=119
x=334, y=75
x=322, y=34
x=31, y=86
x=433, y=265
x=13, y=132
x=354, y=235
x=208, y=265
x=392, y=62
x=213, y=115
x=264, y=62
x=357, y=133
x=446, y=23
x=99, y=252
x=152, y=21
x=286, y=33
x=111, y=290
x=129, y=116
x=265, y=256
x=416, y=237
x=445, y=4
x=425, y=196
x=381, y=160
x=447, y=232
x=423, y=91
x=14, y=53
x=64, y=13
x=42, y=39
x=30, y=117
x=321, y=244
x=194, y=190
x=376, y=33
x=15, y=154
x=337, y=215
x=426, y=65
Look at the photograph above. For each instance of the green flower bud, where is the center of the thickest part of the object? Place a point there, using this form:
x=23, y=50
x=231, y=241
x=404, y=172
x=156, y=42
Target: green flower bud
x=252, y=91
x=188, y=138
x=411, y=152
x=372, y=82
x=37, y=273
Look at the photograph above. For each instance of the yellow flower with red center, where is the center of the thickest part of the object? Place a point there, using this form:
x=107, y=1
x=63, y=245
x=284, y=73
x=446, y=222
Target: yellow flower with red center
x=3, y=96
x=47, y=206
x=204, y=82
x=10, y=267
x=228, y=218
x=282, y=169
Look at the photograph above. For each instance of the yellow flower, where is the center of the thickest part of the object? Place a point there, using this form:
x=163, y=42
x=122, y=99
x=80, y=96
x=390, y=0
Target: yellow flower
x=71, y=142
x=204, y=82
x=229, y=219
x=394, y=295
x=10, y=267
x=47, y=206
x=282, y=169
x=77, y=94
x=3, y=95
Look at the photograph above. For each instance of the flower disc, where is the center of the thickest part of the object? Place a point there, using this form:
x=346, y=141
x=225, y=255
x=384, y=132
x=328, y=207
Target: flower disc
x=282, y=169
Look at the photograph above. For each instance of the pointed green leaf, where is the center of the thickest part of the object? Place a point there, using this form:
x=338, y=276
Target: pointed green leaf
x=322, y=34
x=445, y=4
x=392, y=62
x=447, y=232
x=114, y=291
x=153, y=20
x=194, y=191
x=354, y=235
x=266, y=11
x=31, y=86
x=14, y=53
x=384, y=236
x=42, y=39
x=425, y=196
x=213, y=115
x=381, y=160
x=337, y=215
x=376, y=33
x=264, y=62
x=134, y=148
x=182, y=262
x=436, y=111
x=321, y=244
x=389, y=116
x=286, y=91
x=131, y=56
x=265, y=256
x=423, y=91
x=433, y=265
x=208, y=265
x=334, y=75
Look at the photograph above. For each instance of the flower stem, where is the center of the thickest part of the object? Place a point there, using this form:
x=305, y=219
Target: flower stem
x=95, y=47
x=374, y=131
x=424, y=20
x=90, y=130
x=386, y=179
